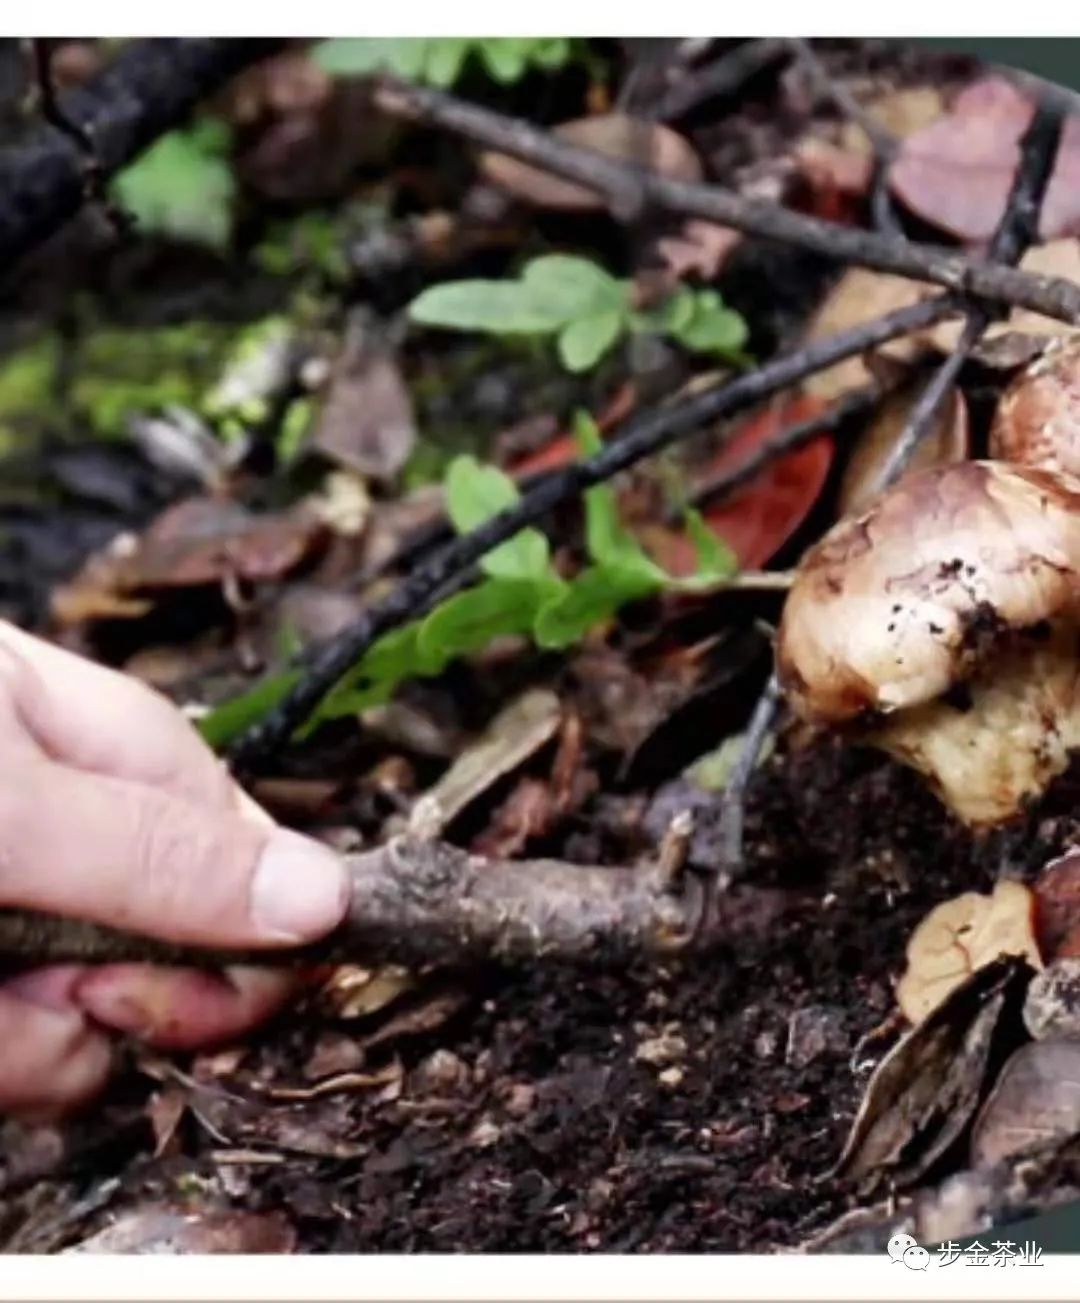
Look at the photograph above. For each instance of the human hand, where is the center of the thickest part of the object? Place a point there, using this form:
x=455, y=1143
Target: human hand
x=113, y=809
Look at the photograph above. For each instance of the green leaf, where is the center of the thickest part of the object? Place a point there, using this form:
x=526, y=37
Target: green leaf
x=550, y=52
x=474, y=494
x=667, y=318
x=584, y=342
x=714, y=558
x=505, y=57
x=183, y=187
x=362, y=56
x=567, y=288
x=234, y=716
x=470, y=620
x=445, y=58
x=594, y=595
x=493, y=307
x=712, y=328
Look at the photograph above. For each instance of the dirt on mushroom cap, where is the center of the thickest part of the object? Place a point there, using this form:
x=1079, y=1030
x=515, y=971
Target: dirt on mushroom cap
x=893, y=607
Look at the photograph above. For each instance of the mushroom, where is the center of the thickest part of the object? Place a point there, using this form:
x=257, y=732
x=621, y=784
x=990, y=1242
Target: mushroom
x=1037, y=422
x=942, y=625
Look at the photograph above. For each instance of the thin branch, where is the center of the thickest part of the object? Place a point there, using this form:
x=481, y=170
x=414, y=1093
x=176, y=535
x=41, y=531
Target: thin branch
x=721, y=78
x=733, y=801
x=419, y=902
x=1015, y=231
x=444, y=571
x=631, y=189
x=148, y=88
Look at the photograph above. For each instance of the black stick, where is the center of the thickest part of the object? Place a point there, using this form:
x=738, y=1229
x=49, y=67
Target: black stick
x=148, y=89
x=445, y=571
x=629, y=190
x=733, y=801
x=1015, y=231
x=722, y=77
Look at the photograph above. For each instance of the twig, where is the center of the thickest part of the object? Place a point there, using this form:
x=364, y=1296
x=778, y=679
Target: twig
x=733, y=801
x=419, y=902
x=883, y=143
x=148, y=89
x=631, y=189
x=723, y=77
x=1015, y=231
x=444, y=571
x=790, y=439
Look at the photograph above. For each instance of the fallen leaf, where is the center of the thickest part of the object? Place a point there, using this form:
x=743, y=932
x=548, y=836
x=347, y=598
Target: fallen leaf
x=526, y=813
x=947, y=442
x=425, y=1016
x=163, y=1229
x=758, y=519
x=165, y=1111
x=355, y=992
x=957, y=173
x=515, y=734
x=1057, y=908
x=699, y=249
x=342, y=1083
x=857, y=297
x=960, y=936
x=900, y=112
x=366, y=420
x=924, y=1092
x=1035, y=1100
x=616, y=135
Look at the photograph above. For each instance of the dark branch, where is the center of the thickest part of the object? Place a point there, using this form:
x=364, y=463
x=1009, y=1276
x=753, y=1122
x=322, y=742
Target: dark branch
x=632, y=189
x=1017, y=228
x=148, y=89
x=445, y=570
x=722, y=77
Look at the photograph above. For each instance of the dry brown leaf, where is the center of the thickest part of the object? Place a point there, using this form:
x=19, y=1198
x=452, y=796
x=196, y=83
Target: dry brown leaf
x=162, y=1229
x=616, y=135
x=925, y=1091
x=343, y=1083
x=901, y=113
x=1035, y=1100
x=699, y=249
x=858, y=297
x=1057, y=908
x=948, y=442
x=960, y=936
x=515, y=734
x=355, y=992
x=957, y=172
x=366, y=420
x=431, y=1012
x=165, y=1110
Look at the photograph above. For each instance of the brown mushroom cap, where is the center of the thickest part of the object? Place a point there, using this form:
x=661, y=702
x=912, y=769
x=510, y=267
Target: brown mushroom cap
x=1037, y=422
x=897, y=605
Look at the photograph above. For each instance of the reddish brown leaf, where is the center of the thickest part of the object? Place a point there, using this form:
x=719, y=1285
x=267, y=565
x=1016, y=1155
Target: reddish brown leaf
x=161, y=1229
x=956, y=173
x=699, y=249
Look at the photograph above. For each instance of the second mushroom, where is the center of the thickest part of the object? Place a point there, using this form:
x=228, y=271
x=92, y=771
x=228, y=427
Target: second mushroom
x=943, y=625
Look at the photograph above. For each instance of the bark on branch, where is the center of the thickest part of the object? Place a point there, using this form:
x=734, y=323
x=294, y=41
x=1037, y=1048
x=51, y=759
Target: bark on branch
x=426, y=902
x=148, y=89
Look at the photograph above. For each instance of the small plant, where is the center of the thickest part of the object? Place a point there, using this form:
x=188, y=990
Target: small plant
x=440, y=60
x=521, y=593
x=583, y=307
x=183, y=187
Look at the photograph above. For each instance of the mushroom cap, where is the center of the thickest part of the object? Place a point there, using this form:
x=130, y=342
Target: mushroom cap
x=895, y=606
x=1037, y=422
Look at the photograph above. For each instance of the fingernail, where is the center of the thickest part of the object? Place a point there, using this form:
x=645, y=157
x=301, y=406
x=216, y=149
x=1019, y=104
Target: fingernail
x=300, y=890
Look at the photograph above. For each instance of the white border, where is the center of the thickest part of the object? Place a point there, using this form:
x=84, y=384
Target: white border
x=527, y=1277
x=556, y=17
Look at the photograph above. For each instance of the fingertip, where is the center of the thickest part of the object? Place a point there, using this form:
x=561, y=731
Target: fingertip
x=61, y=1062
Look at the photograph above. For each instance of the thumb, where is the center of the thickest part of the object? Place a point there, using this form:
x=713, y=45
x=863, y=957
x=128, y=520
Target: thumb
x=142, y=859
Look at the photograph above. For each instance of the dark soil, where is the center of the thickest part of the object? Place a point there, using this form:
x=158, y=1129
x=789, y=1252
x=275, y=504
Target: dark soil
x=691, y=1107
